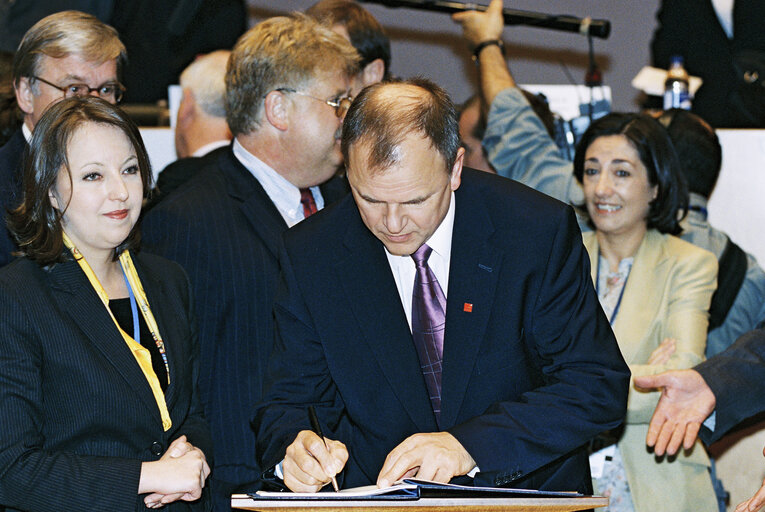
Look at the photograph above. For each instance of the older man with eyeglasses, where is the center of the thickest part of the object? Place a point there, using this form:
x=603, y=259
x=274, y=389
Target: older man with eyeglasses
x=287, y=92
x=69, y=53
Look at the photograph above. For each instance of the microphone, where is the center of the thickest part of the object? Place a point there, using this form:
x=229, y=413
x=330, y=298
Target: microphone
x=585, y=26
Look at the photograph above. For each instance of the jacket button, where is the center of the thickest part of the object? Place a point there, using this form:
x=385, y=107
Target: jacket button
x=156, y=449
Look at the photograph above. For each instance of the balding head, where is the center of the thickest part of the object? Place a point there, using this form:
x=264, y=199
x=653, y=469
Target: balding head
x=387, y=112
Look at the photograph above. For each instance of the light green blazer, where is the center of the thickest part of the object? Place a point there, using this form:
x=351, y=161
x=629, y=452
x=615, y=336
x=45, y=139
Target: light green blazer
x=667, y=295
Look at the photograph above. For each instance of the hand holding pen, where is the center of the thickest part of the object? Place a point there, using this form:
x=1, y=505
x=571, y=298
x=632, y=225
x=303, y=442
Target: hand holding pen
x=312, y=461
x=316, y=427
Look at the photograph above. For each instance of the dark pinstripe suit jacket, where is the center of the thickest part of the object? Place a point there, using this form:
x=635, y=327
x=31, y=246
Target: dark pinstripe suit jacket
x=77, y=415
x=224, y=230
x=11, y=159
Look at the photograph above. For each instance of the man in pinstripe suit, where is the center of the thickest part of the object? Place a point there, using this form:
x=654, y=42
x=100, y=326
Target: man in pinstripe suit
x=286, y=95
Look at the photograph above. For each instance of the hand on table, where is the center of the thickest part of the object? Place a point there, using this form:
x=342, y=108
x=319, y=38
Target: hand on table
x=434, y=456
x=309, y=465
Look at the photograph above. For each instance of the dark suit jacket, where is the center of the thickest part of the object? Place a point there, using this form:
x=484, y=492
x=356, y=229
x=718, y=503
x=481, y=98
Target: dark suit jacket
x=77, y=415
x=182, y=170
x=529, y=375
x=162, y=38
x=11, y=157
x=691, y=29
x=737, y=378
x=224, y=230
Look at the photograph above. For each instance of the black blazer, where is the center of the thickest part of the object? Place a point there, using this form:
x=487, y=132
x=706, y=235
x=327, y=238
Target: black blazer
x=531, y=370
x=224, y=230
x=11, y=160
x=737, y=378
x=77, y=415
x=182, y=170
x=690, y=28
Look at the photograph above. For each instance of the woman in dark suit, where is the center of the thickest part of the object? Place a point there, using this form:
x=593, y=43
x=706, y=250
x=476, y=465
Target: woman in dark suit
x=98, y=365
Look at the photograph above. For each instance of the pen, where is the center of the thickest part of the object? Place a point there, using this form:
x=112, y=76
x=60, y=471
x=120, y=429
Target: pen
x=317, y=430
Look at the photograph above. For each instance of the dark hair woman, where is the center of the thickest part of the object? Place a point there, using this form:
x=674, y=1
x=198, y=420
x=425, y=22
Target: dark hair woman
x=655, y=289
x=98, y=406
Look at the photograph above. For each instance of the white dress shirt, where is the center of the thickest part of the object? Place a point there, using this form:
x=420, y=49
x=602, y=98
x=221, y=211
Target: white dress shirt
x=284, y=195
x=724, y=11
x=210, y=146
x=404, y=270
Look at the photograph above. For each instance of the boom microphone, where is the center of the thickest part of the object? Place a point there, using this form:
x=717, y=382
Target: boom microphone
x=584, y=26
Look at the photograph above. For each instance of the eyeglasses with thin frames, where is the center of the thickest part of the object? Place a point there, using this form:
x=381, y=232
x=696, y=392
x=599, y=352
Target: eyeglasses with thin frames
x=109, y=91
x=340, y=104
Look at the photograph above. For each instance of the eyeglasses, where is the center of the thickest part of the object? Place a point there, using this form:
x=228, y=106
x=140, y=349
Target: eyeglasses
x=109, y=91
x=341, y=104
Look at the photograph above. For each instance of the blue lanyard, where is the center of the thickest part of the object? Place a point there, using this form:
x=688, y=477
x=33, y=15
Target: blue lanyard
x=621, y=293
x=134, y=309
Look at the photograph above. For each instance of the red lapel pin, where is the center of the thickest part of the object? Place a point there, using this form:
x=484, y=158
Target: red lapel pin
x=467, y=307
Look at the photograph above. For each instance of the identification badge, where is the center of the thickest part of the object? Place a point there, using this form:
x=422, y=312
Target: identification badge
x=599, y=459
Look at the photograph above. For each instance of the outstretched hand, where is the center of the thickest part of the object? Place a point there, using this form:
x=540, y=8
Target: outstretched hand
x=686, y=402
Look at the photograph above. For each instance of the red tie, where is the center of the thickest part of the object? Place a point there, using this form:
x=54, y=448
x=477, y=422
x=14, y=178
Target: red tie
x=309, y=205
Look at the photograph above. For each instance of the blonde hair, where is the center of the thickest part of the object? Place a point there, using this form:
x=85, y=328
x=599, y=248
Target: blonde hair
x=285, y=51
x=67, y=33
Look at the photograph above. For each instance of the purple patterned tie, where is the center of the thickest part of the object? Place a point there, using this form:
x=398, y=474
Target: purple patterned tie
x=428, y=322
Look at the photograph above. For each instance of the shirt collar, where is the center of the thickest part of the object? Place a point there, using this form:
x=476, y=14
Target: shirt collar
x=284, y=195
x=27, y=132
x=441, y=239
x=210, y=146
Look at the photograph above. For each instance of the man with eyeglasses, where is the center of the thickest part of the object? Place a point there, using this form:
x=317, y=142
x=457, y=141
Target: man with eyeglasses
x=441, y=321
x=287, y=92
x=66, y=54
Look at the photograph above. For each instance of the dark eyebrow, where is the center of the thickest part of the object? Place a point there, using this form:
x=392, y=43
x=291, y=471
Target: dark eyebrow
x=368, y=199
x=418, y=200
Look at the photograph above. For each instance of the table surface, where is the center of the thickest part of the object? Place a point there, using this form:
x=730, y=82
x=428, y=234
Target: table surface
x=244, y=502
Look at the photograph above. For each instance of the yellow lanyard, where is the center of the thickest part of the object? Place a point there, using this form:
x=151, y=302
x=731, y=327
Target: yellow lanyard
x=141, y=354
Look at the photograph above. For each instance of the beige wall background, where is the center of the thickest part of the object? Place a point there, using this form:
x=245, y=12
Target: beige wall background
x=429, y=44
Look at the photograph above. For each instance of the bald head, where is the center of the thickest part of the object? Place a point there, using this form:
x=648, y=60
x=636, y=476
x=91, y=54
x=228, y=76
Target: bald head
x=387, y=112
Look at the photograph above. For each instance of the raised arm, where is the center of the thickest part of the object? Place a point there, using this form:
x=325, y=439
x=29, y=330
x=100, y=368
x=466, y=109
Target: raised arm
x=516, y=142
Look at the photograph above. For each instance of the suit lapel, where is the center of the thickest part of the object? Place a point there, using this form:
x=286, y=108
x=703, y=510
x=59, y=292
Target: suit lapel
x=365, y=275
x=254, y=203
x=76, y=297
x=642, y=292
x=473, y=277
x=642, y=295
